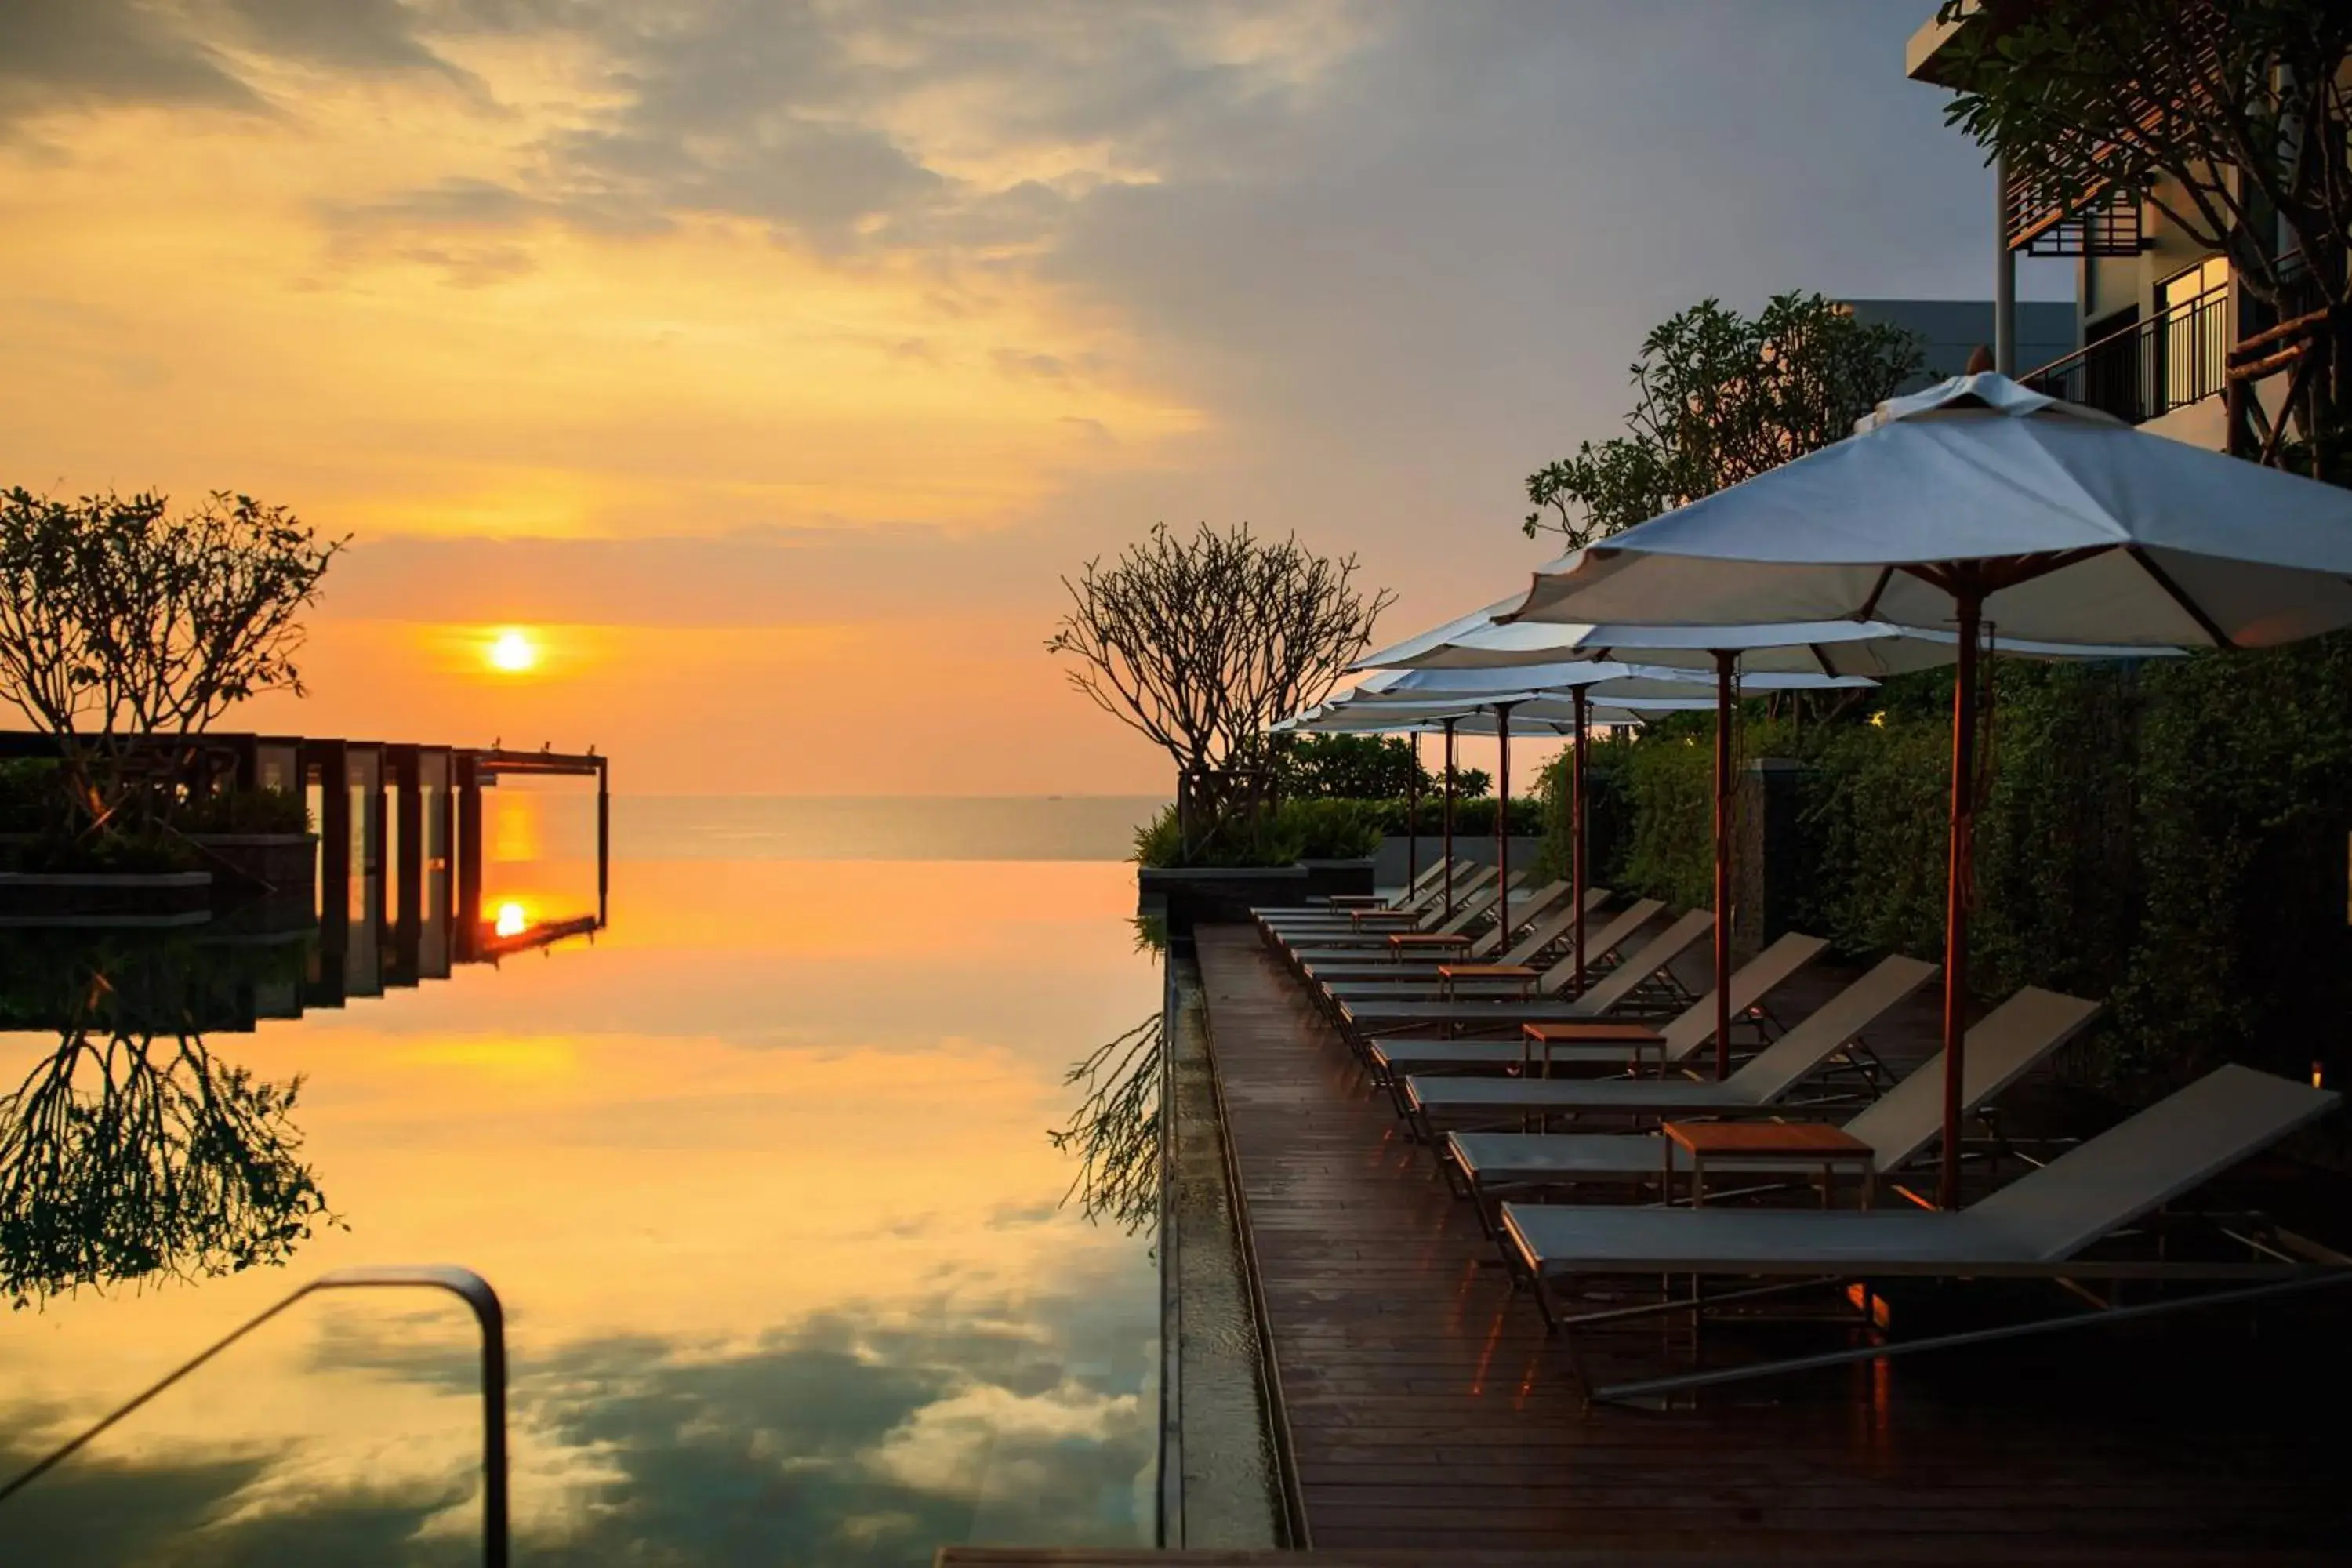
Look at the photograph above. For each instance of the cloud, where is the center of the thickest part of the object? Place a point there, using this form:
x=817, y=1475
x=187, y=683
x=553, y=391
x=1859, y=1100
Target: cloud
x=95, y=53
x=864, y=1438
x=360, y=37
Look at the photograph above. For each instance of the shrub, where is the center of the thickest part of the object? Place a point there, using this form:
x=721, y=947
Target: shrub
x=244, y=811
x=1295, y=830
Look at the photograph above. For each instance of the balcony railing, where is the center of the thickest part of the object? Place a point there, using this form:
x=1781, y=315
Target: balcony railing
x=2152, y=367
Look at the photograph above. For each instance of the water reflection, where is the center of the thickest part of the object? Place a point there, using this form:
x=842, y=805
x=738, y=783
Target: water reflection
x=129, y=1152
x=1115, y=1132
x=759, y=1176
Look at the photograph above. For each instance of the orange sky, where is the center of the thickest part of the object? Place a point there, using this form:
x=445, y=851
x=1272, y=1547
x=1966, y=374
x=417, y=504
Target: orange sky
x=769, y=361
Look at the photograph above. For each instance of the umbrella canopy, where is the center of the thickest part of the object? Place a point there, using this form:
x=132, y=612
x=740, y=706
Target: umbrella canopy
x=2066, y=524
x=1877, y=648
x=1620, y=682
x=1606, y=678
x=1976, y=503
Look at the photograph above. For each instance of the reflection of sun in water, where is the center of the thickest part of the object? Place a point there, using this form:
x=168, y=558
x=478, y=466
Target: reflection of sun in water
x=511, y=920
x=512, y=651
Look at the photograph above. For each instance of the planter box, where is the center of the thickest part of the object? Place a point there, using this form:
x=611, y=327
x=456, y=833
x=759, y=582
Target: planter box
x=280, y=867
x=105, y=898
x=1187, y=895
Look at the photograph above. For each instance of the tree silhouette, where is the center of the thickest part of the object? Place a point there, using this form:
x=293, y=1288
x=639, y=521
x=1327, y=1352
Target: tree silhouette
x=1115, y=1131
x=131, y=1153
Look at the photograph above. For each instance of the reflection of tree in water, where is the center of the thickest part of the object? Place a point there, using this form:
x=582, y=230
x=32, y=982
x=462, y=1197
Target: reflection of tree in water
x=131, y=1153
x=1115, y=1131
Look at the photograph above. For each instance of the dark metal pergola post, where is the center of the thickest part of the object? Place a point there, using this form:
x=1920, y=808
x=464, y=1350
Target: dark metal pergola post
x=1449, y=818
x=1726, y=665
x=468, y=930
x=604, y=838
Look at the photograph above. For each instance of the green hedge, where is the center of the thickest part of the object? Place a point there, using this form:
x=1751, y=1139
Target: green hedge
x=2171, y=836
x=1325, y=830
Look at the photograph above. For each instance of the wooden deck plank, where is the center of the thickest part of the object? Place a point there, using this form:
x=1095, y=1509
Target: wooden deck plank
x=1428, y=1410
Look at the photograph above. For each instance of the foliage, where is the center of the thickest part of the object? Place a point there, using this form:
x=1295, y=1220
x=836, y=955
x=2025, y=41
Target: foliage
x=28, y=795
x=1720, y=397
x=2229, y=117
x=141, y=850
x=243, y=811
x=2170, y=838
x=1282, y=835
x=1299, y=830
x=120, y=620
x=1470, y=783
x=1115, y=1131
x=132, y=1152
x=1200, y=644
x=1349, y=768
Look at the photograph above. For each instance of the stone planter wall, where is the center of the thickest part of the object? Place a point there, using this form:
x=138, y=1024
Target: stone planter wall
x=105, y=898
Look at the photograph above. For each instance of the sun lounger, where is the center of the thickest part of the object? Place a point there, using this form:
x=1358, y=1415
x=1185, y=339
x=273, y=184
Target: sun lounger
x=1415, y=902
x=1613, y=989
x=1554, y=926
x=2042, y=1226
x=1678, y=1039
x=1426, y=894
x=1471, y=903
x=1526, y=903
x=1599, y=947
x=1904, y=1122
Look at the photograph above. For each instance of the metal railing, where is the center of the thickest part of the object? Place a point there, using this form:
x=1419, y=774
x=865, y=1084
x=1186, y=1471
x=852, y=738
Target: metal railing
x=463, y=1283
x=2151, y=367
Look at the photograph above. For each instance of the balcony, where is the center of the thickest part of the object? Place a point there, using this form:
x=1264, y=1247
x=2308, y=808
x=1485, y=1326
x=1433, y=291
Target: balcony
x=2152, y=367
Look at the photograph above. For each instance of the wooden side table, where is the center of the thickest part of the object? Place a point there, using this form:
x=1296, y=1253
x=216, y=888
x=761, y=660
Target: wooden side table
x=1635, y=1037
x=1730, y=1142
x=1447, y=973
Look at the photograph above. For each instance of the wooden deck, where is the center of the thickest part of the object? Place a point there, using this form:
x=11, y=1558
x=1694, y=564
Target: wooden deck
x=1428, y=1410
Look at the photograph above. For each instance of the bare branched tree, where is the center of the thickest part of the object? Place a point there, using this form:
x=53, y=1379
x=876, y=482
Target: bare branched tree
x=1115, y=1131
x=120, y=620
x=1200, y=644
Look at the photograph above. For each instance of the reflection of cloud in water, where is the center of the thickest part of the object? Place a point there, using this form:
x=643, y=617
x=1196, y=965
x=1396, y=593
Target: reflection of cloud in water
x=854, y=1439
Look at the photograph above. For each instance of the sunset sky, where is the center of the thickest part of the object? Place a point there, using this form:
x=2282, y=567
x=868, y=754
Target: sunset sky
x=766, y=363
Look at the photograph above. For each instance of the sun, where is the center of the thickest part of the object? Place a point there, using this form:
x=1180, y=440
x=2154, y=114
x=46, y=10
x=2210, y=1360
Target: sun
x=513, y=919
x=511, y=650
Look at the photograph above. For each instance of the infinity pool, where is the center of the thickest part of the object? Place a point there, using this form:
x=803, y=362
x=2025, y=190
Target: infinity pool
x=761, y=1173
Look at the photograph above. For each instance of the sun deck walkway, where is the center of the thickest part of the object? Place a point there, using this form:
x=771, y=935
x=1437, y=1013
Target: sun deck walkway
x=1427, y=1408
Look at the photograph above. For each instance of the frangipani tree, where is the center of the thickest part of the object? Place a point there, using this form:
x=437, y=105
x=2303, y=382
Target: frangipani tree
x=120, y=621
x=1201, y=644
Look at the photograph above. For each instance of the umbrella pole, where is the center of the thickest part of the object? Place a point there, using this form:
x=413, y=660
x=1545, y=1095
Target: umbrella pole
x=1449, y=818
x=1503, y=822
x=1958, y=871
x=1412, y=820
x=1576, y=833
x=1724, y=661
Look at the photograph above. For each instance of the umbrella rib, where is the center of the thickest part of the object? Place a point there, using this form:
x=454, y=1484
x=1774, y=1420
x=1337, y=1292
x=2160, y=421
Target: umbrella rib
x=1870, y=605
x=2196, y=612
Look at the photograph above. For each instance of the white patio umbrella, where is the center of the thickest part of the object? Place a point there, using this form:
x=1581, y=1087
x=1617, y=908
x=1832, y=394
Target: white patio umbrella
x=1875, y=648
x=1542, y=707
x=1761, y=657
x=1331, y=719
x=1980, y=503
x=1610, y=678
